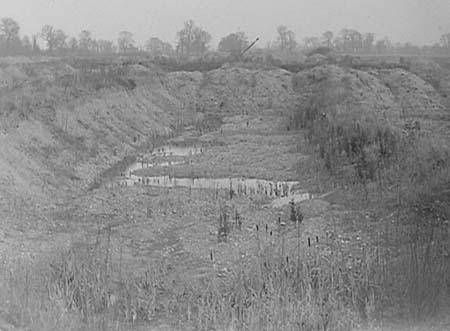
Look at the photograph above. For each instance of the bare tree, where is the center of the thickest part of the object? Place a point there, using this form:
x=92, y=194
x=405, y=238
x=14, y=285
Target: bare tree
x=125, y=41
x=85, y=40
x=234, y=43
x=338, y=44
x=48, y=34
x=192, y=40
x=352, y=40
x=55, y=38
x=9, y=29
x=282, y=39
x=291, y=42
x=105, y=46
x=445, y=40
x=95, y=47
x=286, y=38
x=185, y=39
x=9, y=36
x=311, y=42
x=35, y=45
x=382, y=45
x=327, y=38
x=202, y=39
x=26, y=44
x=60, y=39
x=72, y=43
x=157, y=47
x=368, y=40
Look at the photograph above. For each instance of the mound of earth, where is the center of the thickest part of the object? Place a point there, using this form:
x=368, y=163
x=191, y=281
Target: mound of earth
x=62, y=125
x=235, y=90
x=57, y=134
x=390, y=96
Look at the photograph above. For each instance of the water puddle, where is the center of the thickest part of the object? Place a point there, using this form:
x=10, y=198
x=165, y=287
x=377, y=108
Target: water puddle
x=145, y=164
x=151, y=160
x=239, y=186
x=295, y=196
x=283, y=191
x=170, y=150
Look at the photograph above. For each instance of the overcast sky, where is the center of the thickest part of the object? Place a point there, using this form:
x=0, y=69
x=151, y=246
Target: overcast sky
x=417, y=21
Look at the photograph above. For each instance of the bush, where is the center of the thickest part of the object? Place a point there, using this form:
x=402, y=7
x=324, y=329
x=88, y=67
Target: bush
x=341, y=143
x=322, y=50
x=417, y=164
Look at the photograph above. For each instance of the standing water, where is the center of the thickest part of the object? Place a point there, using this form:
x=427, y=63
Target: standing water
x=169, y=150
x=162, y=151
x=237, y=185
x=284, y=191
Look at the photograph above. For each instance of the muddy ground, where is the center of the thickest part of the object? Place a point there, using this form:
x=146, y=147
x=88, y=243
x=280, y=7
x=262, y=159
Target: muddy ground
x=148, y=226
x=179, y=227
x=181, y=224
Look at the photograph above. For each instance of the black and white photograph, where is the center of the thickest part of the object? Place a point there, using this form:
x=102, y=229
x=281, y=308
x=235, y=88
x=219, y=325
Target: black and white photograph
x=224, y=165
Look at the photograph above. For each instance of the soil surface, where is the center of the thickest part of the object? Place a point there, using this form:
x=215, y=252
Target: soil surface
x=58, y=189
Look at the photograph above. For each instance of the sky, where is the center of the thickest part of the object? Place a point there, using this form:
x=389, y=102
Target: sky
x=416, y=21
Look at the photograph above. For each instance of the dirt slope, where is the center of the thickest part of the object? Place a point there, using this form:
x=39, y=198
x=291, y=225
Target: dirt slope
x=391, y=97
x=57, y=137
x=63, y=124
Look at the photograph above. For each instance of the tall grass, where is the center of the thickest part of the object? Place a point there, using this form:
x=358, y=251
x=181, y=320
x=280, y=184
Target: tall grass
x=286, y=282
x=402, y=169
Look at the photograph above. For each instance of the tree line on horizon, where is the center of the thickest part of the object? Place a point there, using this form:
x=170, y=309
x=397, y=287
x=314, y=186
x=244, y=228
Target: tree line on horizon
x=192, y=41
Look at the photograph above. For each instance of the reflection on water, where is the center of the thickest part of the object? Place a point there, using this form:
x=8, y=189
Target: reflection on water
x=295, y=196
x=237, y=185
x=283, y=191
x=150, y=160
x=145, y=164
x=170, y=150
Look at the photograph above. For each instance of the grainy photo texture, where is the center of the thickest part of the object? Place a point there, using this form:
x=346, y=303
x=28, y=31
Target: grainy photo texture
x=224, y=165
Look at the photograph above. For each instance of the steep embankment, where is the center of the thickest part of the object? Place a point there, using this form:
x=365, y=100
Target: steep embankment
x=61, y=126
x=67, y=122
x=233, y=90
x=389, y=127
x=64, y=122
x=394, y=96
